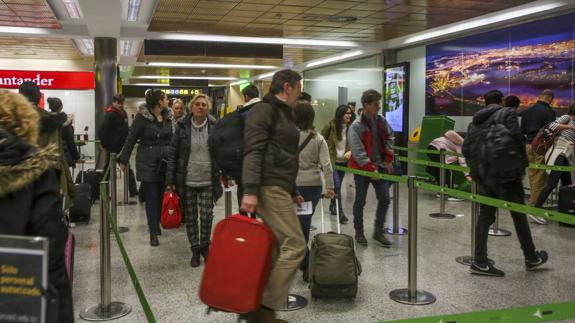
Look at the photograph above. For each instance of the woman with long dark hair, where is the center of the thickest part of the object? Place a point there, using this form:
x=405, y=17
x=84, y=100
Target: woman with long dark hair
x=335, y=133
x=152, y=126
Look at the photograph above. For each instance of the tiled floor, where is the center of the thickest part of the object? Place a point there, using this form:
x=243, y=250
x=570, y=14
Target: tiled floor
x=171, y=285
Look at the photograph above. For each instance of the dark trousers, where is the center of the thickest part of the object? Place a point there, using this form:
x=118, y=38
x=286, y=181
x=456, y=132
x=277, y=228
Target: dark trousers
x=435, y=171
x=313, y=195
x=338, y=180
x=154, y=192
x=512, y=192
x=553, y=180
x=381, y=192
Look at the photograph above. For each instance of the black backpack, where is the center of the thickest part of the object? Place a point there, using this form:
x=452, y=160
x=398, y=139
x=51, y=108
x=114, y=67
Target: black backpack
x=227, y=141
x=493, y=154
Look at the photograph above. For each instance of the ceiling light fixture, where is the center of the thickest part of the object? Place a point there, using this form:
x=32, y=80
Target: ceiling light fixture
x=239, y=82
x=126, y=47
x=202, y=65
x=149, y=84
x=258, y=40
x=167, y=77
x=72, y=8
x=134, y=9
x=342, y=19
x=334, y=58
x=484, y=21
x=266, y=75
x=85, y=46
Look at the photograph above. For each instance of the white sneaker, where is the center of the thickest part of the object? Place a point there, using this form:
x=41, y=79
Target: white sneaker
x=538, y=220
x=455, y=199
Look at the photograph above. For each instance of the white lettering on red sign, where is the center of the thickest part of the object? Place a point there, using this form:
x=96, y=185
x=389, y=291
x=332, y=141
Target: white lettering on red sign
x=17, y=80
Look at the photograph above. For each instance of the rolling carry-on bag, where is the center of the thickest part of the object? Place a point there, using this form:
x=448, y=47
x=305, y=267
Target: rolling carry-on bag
x=92, y=178
x=567, y=202
x=239, y=265
x=333, y=266
x=80, y=210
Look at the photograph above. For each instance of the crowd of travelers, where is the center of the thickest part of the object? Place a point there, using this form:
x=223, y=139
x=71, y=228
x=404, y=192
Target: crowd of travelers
x=285, y=161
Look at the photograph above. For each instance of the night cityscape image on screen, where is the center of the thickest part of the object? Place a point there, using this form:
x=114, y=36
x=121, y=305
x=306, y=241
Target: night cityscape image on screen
x=521, y=60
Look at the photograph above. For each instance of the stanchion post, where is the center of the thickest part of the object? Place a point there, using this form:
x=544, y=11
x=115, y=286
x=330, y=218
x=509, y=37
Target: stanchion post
x=396, y=229
x=126, y=181
x=228, y=203
x=442, y=214
x=411, y=295
x=495, y=230
x=114, y=193
x=106, y=310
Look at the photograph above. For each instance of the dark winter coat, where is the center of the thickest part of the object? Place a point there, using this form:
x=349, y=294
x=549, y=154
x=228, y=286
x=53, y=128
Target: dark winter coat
x=114, y=129
x=179, y=155
x=270, y=161
x=69, y=143
x=154, y=138
x=31, y=205
x=535, y=118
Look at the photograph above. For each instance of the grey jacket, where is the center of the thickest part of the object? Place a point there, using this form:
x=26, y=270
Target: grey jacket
x=270, y=155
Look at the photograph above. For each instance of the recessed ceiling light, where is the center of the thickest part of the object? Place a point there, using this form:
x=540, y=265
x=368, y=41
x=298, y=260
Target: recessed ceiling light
x=342, y=18
x=208, y=65
x=334, y=58
x=72, y=8
x=167, y=77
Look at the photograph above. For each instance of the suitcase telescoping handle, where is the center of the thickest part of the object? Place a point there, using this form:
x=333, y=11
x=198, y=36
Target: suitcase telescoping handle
x=337, y=214
x=322, y=215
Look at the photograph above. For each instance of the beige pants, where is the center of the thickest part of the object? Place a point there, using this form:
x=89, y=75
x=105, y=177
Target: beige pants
x=537, y=177
x=275, y=207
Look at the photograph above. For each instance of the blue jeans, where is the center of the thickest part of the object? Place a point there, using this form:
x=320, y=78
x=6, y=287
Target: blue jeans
x=381, y=192
x=338, y=180
x=153, y=191
x=312, y=194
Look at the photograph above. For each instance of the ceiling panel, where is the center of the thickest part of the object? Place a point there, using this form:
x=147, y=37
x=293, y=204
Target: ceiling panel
x=27, y=13
x=311, y=18
x=40, y=48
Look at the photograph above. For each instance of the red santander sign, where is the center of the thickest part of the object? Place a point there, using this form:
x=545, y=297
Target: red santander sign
x=48, y=80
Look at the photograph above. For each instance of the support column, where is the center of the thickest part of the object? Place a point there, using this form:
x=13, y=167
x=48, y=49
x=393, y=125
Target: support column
x=106, y=79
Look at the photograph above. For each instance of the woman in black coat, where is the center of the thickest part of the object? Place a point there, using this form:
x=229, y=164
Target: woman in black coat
x=193, y=174
x=30, y=200
x=152, y=126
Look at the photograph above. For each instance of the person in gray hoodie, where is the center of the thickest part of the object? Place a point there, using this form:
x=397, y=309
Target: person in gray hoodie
x=192, y=173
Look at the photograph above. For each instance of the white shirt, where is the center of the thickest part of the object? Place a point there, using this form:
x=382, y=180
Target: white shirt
x=340, y=144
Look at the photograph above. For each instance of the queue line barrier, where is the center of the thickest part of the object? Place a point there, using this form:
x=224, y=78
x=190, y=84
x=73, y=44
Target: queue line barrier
x=466, y=169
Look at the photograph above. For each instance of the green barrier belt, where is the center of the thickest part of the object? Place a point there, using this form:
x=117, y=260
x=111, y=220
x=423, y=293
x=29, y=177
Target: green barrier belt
x=548, y=214
x=434, y=164
x=139, y=291
x=437, y=152
x=387, y=177
x=527, y=314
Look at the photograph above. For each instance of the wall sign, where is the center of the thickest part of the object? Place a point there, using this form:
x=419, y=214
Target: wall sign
x=48, y=80
x=23, y=278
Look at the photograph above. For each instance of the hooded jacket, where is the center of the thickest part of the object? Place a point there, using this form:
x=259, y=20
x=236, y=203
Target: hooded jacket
x=114, y=129
x=154, y=138
x=472, y=146
x=31, y=205
x=178, y=155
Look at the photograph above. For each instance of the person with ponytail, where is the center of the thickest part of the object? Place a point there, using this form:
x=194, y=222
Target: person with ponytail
x=152, y=127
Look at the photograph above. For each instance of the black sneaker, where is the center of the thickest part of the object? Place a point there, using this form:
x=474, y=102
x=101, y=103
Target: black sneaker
x=342, y=218
x=380, y=237
x=542, y=257
x=486, y=270
x=360, y=238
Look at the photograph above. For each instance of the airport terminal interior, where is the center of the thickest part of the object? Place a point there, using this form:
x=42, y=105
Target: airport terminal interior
x=431, y=61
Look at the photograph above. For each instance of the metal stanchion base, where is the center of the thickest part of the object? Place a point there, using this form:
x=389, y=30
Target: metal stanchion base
x=295, y=302
x=312, y=228
x=442, y=215
x=392, y=231
x=116, y=310
x=499, y=232
x=128, y=203
x=421, y=298
x=468, y=260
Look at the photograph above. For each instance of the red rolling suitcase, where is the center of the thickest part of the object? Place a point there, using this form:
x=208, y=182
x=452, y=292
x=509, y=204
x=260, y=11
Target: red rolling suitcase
x=239, y=265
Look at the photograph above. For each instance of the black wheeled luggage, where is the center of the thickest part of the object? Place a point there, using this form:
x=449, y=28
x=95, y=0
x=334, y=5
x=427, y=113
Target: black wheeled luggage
x=92, y=178
x=567, y=202
x=333, y=267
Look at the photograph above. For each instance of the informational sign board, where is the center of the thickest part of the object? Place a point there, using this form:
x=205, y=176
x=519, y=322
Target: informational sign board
x=23, y=279
x=48, y=80
x=396, y=94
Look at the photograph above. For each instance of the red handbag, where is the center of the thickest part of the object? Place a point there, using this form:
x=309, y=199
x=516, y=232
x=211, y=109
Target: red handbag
x=171, y=211
x=544, y=139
